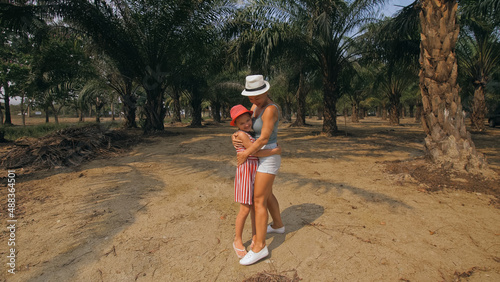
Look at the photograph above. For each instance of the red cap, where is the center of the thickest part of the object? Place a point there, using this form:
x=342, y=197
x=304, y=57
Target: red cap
x=237, y=111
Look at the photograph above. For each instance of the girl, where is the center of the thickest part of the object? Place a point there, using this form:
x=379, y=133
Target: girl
x=245, y=173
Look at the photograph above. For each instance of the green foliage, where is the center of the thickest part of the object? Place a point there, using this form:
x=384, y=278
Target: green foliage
x=144, y=50
x=35, y=131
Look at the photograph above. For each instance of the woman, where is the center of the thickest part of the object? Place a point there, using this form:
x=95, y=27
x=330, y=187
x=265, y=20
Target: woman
x=265, y=125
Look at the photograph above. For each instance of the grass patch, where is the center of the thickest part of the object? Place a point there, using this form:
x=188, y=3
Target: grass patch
x=36, y=131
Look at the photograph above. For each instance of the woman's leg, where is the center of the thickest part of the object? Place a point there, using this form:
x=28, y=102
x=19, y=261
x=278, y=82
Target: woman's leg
x=263, y=188
x=252, y=217
x=274, y=210
x=239, y=224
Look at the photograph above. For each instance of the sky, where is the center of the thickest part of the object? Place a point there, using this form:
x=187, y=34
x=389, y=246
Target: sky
x=393, y=6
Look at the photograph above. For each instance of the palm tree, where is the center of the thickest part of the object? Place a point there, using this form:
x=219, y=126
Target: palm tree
x=478, y=52
x=355, y=83
x=447, y=142
x=322, y=30
x=393, y=86
x=411, y=98
x=145, y=39
x=224, y=92
x=95, y=92
x=15, y=70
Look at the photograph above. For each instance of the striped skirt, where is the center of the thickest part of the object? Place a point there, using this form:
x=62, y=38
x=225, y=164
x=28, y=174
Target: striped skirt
x=244, y=181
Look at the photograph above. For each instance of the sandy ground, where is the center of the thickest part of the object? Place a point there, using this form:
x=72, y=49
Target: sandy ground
x=164, y=211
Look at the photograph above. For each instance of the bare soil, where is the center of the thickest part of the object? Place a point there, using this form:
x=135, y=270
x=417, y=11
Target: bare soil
x=360, y=206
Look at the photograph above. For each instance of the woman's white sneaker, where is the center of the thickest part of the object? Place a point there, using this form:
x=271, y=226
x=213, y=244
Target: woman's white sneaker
x=251, y=257
x=280, y=230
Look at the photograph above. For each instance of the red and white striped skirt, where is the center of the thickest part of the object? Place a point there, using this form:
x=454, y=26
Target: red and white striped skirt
x=244, y=181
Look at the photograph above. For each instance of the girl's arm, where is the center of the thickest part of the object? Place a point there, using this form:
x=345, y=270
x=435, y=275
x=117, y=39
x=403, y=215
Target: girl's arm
x=269, y=117
x=245, y=141
x=268, y=152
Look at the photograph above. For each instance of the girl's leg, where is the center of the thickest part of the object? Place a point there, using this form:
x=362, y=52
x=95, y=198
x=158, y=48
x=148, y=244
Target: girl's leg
x=274, y=210
x=239, y=224
x=262, y=191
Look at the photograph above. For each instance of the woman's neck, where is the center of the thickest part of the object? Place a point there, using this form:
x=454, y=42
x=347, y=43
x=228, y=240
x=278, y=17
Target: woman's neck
x=265, y=104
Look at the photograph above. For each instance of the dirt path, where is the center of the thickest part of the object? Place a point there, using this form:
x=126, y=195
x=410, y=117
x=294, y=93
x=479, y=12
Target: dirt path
x=165, y=212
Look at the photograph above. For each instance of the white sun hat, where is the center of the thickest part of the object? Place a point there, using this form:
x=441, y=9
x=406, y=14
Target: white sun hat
x=255, y=85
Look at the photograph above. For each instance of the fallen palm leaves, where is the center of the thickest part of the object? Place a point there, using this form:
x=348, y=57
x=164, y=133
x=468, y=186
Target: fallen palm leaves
x=67, y=147
x=274, y=276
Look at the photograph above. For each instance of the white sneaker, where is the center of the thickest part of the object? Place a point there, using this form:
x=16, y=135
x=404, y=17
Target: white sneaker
x=280, y=230
x=251, y=257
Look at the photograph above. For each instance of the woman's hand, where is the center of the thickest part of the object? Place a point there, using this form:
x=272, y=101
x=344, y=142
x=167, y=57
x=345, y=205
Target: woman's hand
x=242, y=157
x=237, y=143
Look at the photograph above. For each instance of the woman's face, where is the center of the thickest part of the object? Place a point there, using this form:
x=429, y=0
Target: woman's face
x=244, y=122
x=258, y=100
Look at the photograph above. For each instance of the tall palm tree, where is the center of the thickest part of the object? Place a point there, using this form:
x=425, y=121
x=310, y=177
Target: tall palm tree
x=478, y=52
x=322, y=30
x=356, y=84
x=15, y=69
x=95, y=92
x=145, y=39
x=447, y=142
x=394, y=57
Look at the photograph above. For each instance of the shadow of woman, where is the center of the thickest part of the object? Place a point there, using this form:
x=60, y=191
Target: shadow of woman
x=294, y=218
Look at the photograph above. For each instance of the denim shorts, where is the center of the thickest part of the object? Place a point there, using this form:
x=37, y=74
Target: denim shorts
x=269, y=164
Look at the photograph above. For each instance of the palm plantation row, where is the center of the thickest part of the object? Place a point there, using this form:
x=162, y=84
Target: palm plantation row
x=319, y=55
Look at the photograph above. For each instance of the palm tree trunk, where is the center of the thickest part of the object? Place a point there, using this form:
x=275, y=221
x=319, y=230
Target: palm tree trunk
x=394, y=105
x=286, y=112
x=129, y=109
x=1, y=114
x=154, y=109
x=196, y=109
x=56, y=113
x=478, y=108
x=226, y=111
x=215, y=107
x=301, y=103
x=319, y=114
x=113, y=110
x=355, y=113
x=98, y=107
x=447, y=142
x=330, y=108
x=80, y=115
x=8, y=119
x=394, y=108
x=418, y=112
x=47, y=117
x=411, y=108
x=176, y=113
x=23, y=110
x=129, y=100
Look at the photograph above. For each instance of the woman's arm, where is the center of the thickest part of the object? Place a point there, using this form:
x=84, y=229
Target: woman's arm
x=269, y=117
